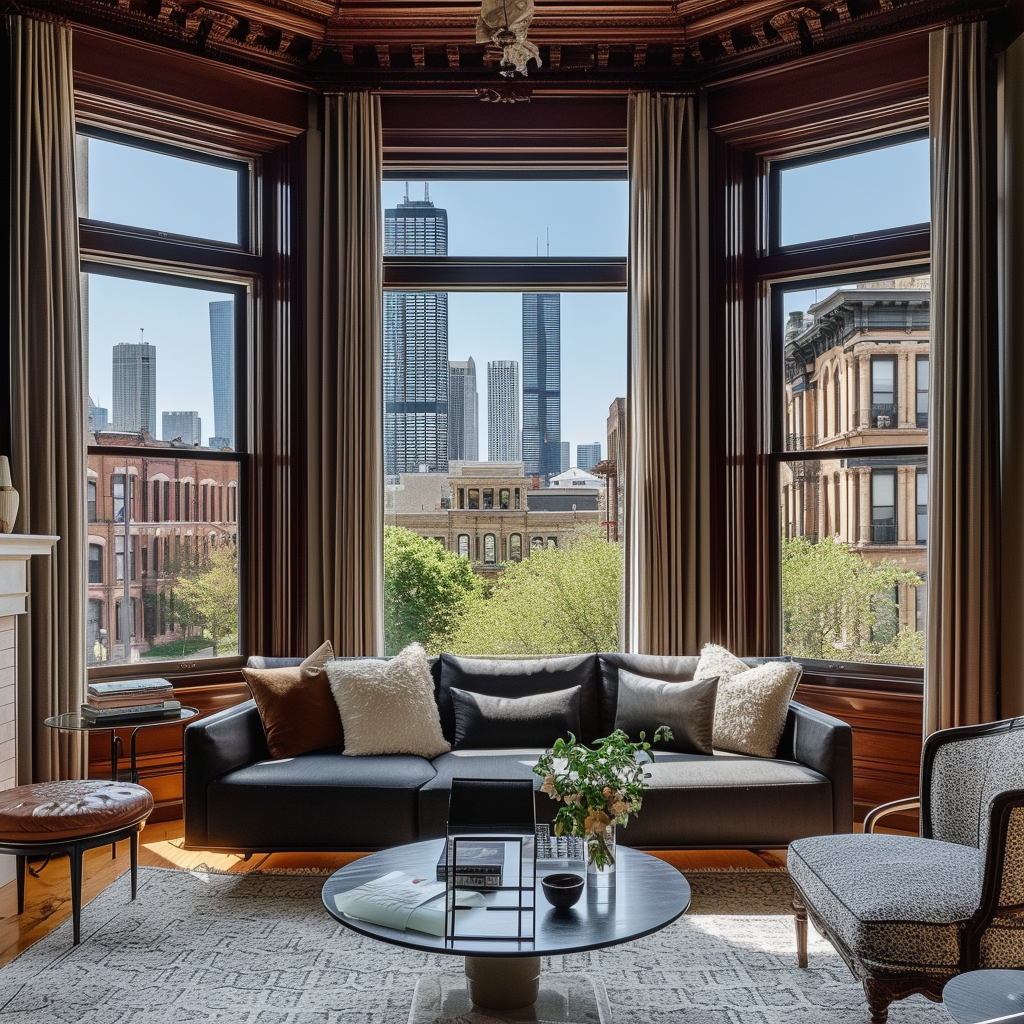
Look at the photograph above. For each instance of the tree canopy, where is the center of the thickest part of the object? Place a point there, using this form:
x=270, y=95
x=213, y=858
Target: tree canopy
x=426, y=590
x=207, y=597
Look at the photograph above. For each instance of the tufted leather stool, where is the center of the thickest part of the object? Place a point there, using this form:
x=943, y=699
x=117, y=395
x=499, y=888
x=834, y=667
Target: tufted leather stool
x=71, y=817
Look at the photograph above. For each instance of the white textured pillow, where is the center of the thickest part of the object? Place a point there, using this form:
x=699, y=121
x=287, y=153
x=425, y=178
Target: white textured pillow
x=388, y=707
x=752, y=703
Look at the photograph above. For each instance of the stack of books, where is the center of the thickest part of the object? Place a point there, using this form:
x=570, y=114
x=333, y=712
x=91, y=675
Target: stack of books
x=129, y=700
x=479, y=867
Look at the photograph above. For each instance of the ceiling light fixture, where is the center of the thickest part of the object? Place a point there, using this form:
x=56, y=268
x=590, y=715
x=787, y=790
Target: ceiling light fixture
x=504, y=23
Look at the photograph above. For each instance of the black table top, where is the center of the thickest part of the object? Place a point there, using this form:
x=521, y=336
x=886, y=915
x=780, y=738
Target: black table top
x=648, y=894
x=72, y=721
x=984, y=995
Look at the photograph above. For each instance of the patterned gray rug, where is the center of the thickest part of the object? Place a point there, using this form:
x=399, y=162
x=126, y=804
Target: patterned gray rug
x=260, y=949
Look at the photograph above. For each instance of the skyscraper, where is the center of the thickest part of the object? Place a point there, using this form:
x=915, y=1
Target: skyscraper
x=97, y=417
x=415, y=347
x=542, y=384
x=588, y=456
x=503, y=437
x=134, y=379
x=463, y=411
x=185, y=425
x=566, y=459
x=222, y=357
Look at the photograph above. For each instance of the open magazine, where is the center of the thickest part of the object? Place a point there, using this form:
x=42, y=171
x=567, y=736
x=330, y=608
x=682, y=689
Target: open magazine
x=402, y=901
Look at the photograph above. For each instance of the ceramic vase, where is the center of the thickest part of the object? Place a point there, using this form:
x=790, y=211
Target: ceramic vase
x=9, y=497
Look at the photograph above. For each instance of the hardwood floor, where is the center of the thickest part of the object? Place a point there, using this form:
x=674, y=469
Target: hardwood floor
x=48, y=897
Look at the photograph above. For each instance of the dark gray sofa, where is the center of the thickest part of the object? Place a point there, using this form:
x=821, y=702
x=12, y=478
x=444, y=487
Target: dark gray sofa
x=238, y=799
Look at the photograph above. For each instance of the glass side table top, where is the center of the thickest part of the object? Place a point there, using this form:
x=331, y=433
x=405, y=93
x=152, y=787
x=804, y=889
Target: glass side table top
x=74, y=722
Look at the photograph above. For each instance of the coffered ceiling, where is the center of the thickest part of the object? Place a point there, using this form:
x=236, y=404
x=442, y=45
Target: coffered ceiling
x=403, y=43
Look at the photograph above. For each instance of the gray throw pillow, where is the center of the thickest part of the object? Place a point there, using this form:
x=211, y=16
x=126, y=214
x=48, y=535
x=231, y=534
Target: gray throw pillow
x=687, y=708
x=483, y=722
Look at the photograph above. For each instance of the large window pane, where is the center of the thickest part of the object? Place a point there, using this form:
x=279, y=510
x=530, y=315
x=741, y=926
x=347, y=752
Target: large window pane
x=141, y=188
x=855, y=194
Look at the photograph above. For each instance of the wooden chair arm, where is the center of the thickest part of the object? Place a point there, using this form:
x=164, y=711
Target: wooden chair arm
x=871, y=819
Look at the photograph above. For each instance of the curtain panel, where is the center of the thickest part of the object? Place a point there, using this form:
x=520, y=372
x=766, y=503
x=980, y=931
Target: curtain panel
x=346, y=385
x=668, y=521
x=962, y=658
x=47, y=391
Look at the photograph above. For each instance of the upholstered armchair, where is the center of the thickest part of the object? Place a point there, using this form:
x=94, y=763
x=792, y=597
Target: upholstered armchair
x=908, y=913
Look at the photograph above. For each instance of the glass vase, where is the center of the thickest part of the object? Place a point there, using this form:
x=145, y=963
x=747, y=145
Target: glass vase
x=601, y=856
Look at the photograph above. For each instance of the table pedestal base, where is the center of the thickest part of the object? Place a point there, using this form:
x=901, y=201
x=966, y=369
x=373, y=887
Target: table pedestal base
x=562, y=999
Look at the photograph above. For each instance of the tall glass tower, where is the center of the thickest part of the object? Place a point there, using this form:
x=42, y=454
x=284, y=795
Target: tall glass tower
x=134, y=380
x=463, y=411
x=222, y=356
x=504, y=441
x=415, y=347
x=542, y=384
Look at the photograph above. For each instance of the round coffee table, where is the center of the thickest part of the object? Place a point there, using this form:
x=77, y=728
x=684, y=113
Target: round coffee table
x=978, y=996
x=647, y=895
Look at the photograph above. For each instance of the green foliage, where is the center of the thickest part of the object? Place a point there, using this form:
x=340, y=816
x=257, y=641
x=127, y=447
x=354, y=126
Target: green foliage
x=207, y=597
x=427, y=590
x=598, y=786
x=178, y=648
x=832, y=597
x=562, y=600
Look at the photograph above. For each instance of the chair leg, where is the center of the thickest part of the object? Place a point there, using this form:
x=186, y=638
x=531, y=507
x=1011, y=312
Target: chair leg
x=75, y=854
x=879, y=997
x=134, y=841
x=800, y=921
x=20, y=863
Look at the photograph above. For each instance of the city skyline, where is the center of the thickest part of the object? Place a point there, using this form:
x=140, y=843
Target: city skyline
x=133, y=385
x=463, y=411
x=504, y=437
x=542, y=384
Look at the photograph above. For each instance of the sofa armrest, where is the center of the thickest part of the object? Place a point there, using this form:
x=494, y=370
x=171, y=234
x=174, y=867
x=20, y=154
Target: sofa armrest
x=214, y=746
x=824, y=744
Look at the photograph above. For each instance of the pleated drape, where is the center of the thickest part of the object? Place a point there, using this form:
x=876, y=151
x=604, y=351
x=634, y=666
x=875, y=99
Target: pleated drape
x=47, y=391
x=667, y=491
x=347, y=482
x=962, y=662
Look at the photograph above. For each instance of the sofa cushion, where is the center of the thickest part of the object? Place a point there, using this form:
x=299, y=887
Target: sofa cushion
x=687, y=708
x=296, y=707
x=318, y=801
x=752, y=704
x=511, y=763
x=728, y=800
x=521, y=677
x=388, y=707
x=484, y=722
x=893, y=901
x=653, y=666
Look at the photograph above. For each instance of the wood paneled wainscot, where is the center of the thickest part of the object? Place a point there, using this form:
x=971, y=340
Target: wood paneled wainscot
x=887, y=731
x=15, y=551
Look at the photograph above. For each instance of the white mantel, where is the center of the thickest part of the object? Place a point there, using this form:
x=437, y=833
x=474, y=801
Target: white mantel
x=15, y=551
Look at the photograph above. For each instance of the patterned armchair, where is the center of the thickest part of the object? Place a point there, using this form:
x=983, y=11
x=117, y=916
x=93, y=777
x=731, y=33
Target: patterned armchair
x=908, y=913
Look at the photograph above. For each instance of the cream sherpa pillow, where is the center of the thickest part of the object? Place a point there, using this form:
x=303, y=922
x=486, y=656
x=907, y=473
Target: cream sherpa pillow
x=388, y=707
x=752, y=703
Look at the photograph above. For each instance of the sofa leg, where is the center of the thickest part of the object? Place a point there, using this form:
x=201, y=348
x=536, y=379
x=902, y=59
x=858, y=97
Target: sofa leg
x=800, y=921
x=879, y=996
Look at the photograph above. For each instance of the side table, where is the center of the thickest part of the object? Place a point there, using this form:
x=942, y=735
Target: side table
x=74, y=722
x=979, y=997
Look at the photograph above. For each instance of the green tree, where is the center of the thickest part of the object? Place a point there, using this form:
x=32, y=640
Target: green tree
x=562, y=600
x=426, y=590
x=832, y=597
x=208, y=597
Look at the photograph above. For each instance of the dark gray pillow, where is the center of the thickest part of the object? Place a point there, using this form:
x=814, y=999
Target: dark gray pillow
x=688, y=709
x=483, y=722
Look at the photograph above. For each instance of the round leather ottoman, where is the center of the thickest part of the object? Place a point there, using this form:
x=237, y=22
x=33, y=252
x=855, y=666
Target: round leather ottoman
x=45, y=818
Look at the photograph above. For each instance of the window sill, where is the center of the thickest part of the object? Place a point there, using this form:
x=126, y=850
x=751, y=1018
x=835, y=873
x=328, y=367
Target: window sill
x=855, y=676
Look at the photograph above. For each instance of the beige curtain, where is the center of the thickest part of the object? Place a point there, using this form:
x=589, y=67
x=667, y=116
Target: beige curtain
x=667, y=557
x=346, y=385
x=47, y=391
x=962, y=662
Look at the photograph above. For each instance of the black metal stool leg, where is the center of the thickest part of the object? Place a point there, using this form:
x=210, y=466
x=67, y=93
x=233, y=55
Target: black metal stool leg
x=75, y=854
x=134, y=841
x=20, y=861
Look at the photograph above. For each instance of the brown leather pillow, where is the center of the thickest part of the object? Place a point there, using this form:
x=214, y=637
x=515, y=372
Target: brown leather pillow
x=298, y=710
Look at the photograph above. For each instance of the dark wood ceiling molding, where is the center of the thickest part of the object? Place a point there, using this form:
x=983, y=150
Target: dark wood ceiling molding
x=170, y=96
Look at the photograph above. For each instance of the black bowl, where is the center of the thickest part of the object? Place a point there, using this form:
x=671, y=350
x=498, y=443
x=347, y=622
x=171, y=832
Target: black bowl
x=562, y=891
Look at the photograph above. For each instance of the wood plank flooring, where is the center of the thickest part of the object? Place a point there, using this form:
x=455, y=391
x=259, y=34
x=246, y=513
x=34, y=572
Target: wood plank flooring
x=48, y=897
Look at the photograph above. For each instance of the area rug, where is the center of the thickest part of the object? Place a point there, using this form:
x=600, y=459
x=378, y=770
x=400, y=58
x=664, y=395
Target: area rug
x=260, y=949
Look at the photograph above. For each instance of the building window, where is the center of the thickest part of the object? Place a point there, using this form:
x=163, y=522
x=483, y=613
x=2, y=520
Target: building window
x=95, y=563
x=552, y=542
x=488, y=497
x=489, y=545
x=515, y=547
x=537, y=543
x=837, y=389
x=922, y=506
x=474, y=497
x=90, y=500
x=883, y=506
x=464, y=545
x=503, y=498
x=884, y=409
x=922, y=391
